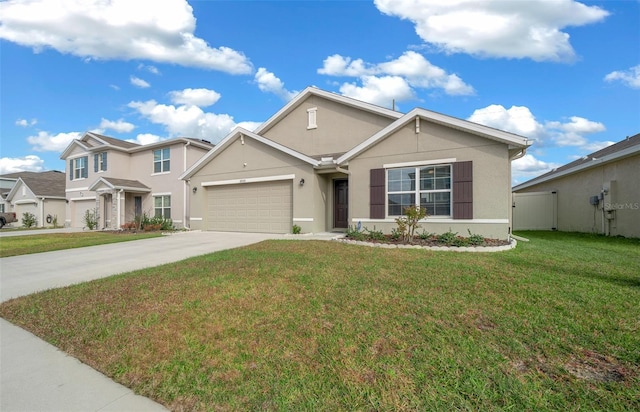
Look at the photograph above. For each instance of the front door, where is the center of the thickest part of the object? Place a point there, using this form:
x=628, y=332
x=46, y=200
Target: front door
x=341, y=203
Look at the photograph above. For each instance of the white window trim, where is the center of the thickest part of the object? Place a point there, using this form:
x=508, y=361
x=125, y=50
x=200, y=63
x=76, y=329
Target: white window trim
x=74, y=161
x=303, y=219
x=420, y=163
x=77, y=189
x=312, y=118
x=417, y=191
x=434, y=220
x=162, y=195
x=248, y=180
x=161, y=173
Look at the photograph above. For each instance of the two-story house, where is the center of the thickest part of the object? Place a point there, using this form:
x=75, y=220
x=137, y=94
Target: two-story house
x=119, y=180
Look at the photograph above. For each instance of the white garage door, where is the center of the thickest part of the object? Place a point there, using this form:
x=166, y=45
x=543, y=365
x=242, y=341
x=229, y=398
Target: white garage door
x=264, y=207
x=78, y=210
x=23, y=208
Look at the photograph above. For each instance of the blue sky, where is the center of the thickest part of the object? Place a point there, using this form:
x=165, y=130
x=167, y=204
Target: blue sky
x=562, y=72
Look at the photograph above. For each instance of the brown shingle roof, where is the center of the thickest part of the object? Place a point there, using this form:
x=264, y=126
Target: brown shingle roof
x=609, y=150
x=125, y=183
x=115, y=142
x=47, y=184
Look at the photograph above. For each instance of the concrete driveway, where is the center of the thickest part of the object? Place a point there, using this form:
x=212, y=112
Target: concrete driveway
x=37, y=376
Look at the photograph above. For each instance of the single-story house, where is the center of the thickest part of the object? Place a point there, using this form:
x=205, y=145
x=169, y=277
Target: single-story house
x=39, y=193
x=325, y=162
x=597, y=193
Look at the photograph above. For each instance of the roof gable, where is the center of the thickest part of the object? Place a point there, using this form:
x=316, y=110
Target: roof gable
x=240, y=133
x=501, y=136
x=119, y=184
x=303, y=95
x=49, y=184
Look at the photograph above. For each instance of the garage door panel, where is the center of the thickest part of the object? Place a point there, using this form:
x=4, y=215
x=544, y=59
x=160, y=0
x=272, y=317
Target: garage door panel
x=264, y=207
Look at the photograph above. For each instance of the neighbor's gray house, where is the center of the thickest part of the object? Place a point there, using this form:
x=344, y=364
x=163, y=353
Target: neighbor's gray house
x=598, y=193
x=325, y=162
x=121, y=180
x=39, y=193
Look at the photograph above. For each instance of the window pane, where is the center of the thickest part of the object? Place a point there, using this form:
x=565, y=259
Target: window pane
x=397, y=203
x=402, y=180
x=165, y=153
x=157, y=167
x=156, y=155
x=157, y=201
x=167, y=201
x=437, y=204
x=165, y=166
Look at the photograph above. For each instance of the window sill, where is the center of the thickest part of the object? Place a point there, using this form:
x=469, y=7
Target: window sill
x=160, y=173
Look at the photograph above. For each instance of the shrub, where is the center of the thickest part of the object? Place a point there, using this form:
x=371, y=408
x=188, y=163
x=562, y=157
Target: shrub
x=475, y=239
x=296, y=230
x=29, y=220
x=91, y=219
x=447, y=238
x=129, y=226
x=426, y=235
x=375, y=234
x=408, y=223
x=395, y=234
x=155, y=223
x=355, y=234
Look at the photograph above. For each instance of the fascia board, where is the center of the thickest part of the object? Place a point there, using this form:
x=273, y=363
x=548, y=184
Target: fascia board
x=95, y=184
x=67, y=151
x=327, y=95
x=629, y=151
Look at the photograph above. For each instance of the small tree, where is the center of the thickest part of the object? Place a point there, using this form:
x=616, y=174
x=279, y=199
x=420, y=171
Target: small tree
x=29, y=220
x=408, y=223
x=91, y=219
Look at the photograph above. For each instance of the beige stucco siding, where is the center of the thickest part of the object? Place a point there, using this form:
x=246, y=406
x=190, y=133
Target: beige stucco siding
x=339, y=127
x=575, y=214
x=255, y=160
x=491, y=174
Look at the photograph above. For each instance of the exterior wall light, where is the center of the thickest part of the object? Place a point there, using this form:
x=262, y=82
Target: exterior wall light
x=195, y=189
x=302, y=182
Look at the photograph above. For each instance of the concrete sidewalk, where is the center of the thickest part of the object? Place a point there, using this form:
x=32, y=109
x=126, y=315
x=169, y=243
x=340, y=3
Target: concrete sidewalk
x=36, y=376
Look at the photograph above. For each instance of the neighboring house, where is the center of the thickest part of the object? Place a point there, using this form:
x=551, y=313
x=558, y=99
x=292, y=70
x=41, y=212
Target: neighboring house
x=598, y=193
x=120, y=180
x=39, y=193
x=325, y=162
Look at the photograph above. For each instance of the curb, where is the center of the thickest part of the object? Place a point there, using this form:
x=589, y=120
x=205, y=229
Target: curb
x=474, y=249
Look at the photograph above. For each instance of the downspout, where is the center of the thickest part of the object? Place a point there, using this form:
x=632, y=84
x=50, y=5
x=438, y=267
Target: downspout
x=42, y=212
x=185, y=193
x=119, y=199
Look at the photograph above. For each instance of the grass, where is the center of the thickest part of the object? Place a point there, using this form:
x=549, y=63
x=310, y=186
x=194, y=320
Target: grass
x=23, y=245
x=316, y=325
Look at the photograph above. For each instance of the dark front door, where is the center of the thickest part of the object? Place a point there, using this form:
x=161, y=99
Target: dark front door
x=137, y=205
x=340, y=203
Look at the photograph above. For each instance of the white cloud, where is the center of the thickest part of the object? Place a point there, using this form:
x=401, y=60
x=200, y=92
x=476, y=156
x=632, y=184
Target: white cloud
x=250, y=126
x=186, y=121
x=496, y=28
x=517, y=119
x=195, y=97
x=149, y=68
x=379, y=90
x=45, y=142
x=520, y=120
x=573, y=133
x=409, y=71
x=145, y=138
x=629, y=77
x=268, y=82
x=161, y=32
x=29, y=163
x=114, y=87
x=138, y=82
x=528, y=167
x=25, y=122
x=119, y=125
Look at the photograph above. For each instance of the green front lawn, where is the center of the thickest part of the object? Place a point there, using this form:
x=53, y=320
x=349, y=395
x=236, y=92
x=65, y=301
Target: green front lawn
x=317, y=325
x=24, y=245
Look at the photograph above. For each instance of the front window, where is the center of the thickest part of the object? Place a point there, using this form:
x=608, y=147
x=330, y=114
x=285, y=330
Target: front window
x=162, y=206
x=425, y=186
x=161, y=162
x=79, y=168
x=100, y=162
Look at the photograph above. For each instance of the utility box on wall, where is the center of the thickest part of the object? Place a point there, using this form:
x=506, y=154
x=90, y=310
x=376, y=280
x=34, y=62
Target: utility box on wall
x=594, y=200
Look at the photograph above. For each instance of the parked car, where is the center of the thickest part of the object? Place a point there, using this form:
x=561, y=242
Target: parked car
x=7, y=218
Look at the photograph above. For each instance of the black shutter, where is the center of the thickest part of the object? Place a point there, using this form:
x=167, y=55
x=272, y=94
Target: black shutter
x=463, y=190
x=104, y=161
x=95, y=162
x=377, y=193
x=71, y=169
